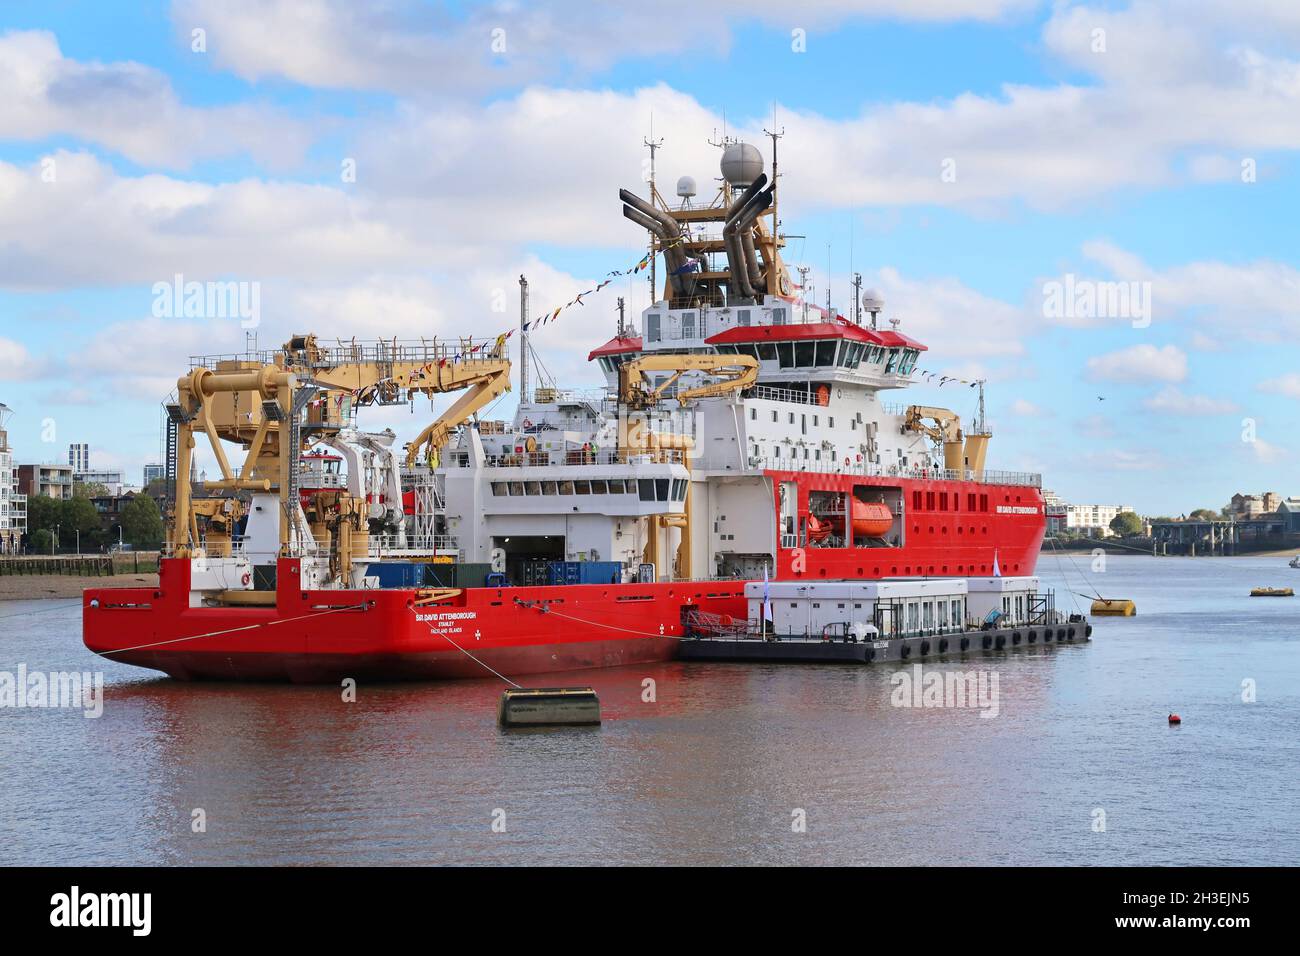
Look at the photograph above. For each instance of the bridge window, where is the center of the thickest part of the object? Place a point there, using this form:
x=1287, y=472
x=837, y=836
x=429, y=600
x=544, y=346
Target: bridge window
x=767, y=351
x=652, y=327
x=661, y=489
x=616, y=486
x=826, y=352
x=892, y=361
x=599, y=488
x=785, y=351
x=582, y=487
x=548, y=487
x=499, y=489
x=646, y=489
x=805, y=354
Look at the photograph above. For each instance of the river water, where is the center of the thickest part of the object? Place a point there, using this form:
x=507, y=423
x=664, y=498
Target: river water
x=734, y=763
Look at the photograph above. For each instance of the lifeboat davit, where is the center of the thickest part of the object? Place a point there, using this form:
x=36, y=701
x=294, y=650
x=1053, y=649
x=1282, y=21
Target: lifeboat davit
x=871, y=519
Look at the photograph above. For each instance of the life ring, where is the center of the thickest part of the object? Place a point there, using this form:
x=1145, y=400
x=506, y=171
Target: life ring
x=823, y=395
x=245, y=578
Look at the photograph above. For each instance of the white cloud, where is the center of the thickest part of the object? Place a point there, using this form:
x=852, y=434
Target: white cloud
x=1026, y=409
x=1172, y=400
x=16, y=364
x=1288, y=385
x=1266, y=453
x=129, y=108
x=1140, y=363
x=417, y=50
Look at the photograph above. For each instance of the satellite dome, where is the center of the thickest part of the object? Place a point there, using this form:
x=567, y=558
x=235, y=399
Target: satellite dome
x=873, y=301
x=741, y=164
x=686, y=187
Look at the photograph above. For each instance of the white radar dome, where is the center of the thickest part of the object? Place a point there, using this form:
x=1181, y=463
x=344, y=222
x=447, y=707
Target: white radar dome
x=873, y=301
x=741, y=164
x=686, y=187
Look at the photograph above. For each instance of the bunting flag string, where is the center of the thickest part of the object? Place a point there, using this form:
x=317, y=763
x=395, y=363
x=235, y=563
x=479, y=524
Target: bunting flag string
x=639, y=266
x=497, y=343
x=943, y=380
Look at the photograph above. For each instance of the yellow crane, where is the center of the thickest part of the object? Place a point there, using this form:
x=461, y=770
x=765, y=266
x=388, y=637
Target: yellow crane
x=961, y=451
x=250, y=402
x=737, y=372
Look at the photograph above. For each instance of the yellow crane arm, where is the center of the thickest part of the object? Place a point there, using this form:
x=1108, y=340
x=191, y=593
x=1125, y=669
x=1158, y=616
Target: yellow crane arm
x=949, y=423
x=737, y=372
x=484, y=380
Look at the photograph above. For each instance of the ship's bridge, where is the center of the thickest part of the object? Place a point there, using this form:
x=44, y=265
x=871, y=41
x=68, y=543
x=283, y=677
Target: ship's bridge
x=832, y=348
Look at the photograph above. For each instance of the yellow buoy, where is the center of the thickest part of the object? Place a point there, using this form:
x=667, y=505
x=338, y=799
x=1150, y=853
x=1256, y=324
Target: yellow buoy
x=1114, y=607
x=1271, y=592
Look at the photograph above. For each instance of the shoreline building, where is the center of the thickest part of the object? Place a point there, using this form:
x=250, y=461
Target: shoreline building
x=50, y=479
x=13, y=504
x=79, y=457
x=1254, y=506
x=1092, y=520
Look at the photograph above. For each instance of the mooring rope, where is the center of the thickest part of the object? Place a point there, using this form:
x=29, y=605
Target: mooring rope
x=42, y=610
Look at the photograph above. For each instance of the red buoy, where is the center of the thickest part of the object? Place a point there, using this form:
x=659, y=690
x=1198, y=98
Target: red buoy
x=1175, y=719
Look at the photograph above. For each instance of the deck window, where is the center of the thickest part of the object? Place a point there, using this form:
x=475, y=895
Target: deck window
x=652, y=327
x=646, y=489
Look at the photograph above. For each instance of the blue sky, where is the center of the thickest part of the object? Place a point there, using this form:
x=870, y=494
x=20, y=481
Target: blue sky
x=1152, y=143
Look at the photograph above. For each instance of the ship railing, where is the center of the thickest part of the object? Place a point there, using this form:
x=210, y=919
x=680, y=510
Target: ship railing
x=770, y=393
x=569, y=459
x=871, y=470
x=323, y=355
x=393, y=545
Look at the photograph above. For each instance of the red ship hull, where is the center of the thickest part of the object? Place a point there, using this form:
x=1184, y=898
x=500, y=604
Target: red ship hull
x=318, y=636
x=328, y=635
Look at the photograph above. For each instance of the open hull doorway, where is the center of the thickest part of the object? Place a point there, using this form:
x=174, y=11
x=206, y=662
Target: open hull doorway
x=528, y=556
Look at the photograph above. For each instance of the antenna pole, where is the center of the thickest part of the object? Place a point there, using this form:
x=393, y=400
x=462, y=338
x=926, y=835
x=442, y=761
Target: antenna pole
x=773, y=286
x=524, y=395
x=857, y=298
x=622, y=328
x=653, y=144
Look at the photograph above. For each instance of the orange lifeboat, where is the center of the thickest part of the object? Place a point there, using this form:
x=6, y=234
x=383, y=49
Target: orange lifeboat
x=871, y=519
